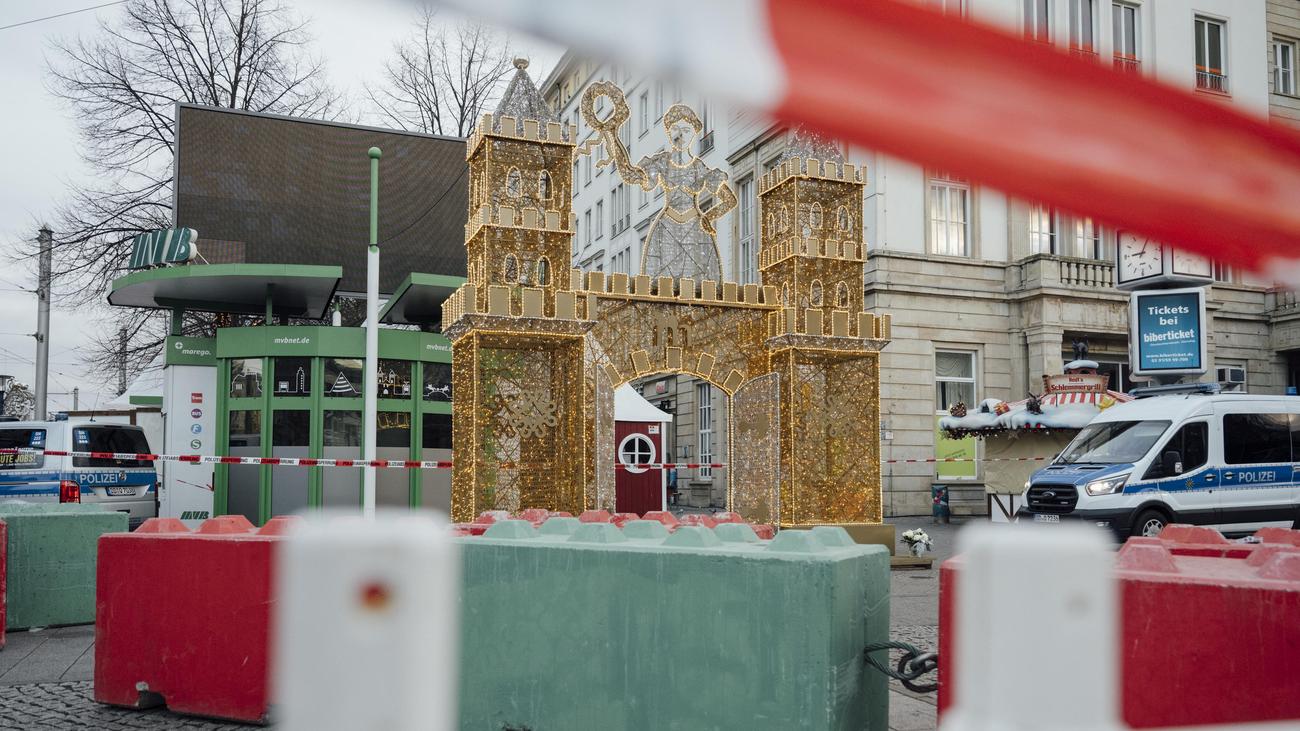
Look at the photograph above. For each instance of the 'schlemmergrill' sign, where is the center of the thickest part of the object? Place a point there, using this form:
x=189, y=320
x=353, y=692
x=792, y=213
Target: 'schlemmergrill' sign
x=164, y=246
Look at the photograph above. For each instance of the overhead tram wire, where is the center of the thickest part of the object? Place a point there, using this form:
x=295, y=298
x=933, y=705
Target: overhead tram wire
x=61, y=15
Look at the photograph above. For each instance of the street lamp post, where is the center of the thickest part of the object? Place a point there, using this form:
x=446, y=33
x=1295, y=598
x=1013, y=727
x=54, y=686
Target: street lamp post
x=371, y=386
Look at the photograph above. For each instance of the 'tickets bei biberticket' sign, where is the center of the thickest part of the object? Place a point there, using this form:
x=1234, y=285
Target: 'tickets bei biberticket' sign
x=1167, y=331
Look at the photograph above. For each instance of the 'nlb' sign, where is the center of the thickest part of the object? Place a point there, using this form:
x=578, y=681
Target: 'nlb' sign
x=163, y=246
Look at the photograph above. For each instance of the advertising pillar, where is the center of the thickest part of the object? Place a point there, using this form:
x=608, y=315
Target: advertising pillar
x=189, y=427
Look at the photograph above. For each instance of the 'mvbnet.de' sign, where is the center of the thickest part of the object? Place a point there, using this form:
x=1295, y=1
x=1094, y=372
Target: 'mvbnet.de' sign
x=163, y=246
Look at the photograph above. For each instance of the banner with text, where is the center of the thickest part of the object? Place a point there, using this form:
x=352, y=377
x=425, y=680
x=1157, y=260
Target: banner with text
x=189, y=411
x=1167, y=331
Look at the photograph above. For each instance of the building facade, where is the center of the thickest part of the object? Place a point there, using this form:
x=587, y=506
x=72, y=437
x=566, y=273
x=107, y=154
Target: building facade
x=989, y=293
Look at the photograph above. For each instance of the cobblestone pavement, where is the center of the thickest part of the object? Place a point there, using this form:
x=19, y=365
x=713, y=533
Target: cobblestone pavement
x=51, y=706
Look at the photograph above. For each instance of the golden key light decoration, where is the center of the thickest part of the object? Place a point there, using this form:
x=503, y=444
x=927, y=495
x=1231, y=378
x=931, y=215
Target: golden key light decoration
x=538, y=348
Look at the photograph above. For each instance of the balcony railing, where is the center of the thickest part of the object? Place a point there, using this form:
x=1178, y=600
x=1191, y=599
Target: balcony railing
x=1211, y=80
x=1085, y=53
x=1127, y=63
x=1053, y=271
x=619, y=225
x=706, y=142
x=1088, y=274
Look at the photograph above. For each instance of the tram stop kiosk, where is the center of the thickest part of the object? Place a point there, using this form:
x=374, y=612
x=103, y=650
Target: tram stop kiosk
x=275, y=389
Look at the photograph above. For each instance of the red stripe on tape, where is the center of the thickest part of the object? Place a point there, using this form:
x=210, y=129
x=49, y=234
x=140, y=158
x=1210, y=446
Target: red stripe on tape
x=1044, y=126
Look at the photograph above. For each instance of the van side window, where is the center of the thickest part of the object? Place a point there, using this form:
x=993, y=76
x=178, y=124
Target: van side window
x=109, y=439
x=20, y=439
x=1192, y=442
x=1256, y=438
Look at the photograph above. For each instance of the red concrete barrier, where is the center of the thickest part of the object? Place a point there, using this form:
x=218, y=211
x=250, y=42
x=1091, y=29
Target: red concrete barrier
x=536, y=516
x=663, y=516
x=1278, y=535
x=619, y=519
x=699, y=519
x=182, y=618
x=1209, y=628
x=488, y=517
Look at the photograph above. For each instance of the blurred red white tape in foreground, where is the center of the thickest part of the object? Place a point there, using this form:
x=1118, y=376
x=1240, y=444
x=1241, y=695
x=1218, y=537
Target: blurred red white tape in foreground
x=982, y=103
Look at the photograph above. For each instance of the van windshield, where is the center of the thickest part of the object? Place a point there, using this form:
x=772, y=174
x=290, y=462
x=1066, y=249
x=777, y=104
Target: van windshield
x=1113, y=442
x=109, y=439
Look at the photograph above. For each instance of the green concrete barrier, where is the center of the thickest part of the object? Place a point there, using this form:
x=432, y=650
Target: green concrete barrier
x=593, y=627
x=51, y=561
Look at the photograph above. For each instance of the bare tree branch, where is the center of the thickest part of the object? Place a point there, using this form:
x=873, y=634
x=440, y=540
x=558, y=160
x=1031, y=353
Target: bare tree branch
x=441, y=79
x=122, y=86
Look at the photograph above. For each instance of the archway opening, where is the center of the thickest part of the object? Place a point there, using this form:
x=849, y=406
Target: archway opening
x=670, y=426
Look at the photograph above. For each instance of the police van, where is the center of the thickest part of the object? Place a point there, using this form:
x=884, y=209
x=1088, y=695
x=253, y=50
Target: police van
x=125, y=485
x=1228, y=461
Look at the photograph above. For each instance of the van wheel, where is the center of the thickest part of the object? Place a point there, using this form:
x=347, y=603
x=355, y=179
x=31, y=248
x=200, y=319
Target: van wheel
x=1149, y=523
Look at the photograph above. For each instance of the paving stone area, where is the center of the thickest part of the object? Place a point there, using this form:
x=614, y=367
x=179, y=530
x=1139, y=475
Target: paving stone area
x=51, y=706
x=45, y=675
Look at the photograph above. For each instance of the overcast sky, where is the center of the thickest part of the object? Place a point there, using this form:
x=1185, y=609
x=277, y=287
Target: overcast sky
x=38, y=143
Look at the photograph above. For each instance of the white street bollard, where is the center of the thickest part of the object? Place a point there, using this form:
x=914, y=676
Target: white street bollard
x=1036, y=644
x=367, y=625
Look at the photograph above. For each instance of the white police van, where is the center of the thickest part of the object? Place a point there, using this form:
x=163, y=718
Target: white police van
x=1228, y=461
x=125, y=485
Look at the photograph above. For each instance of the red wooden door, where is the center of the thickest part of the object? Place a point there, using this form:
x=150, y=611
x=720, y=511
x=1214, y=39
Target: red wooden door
x=637, y=489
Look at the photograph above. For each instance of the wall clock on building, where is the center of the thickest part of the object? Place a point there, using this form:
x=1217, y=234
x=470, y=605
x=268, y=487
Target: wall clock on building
x=1138, y=260
x=1142, y=262
x=1187, y=264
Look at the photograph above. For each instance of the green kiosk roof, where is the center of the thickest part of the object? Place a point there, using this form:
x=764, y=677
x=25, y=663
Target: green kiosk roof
x=293, y=290
x=418, y=299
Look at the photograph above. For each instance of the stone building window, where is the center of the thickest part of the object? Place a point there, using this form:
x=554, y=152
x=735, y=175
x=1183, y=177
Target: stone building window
x=954, y=378
x=949, y=215
x=1042, y=229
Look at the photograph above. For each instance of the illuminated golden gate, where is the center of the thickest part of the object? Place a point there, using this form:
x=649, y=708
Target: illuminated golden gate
x=538, y=349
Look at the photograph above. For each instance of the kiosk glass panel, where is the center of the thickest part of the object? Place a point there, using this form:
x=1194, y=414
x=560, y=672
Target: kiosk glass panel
x=290, y=437
x=341, y=486
x=243, y=480
x=392, y=485
x=394, y=379
x=292, y=377
x=246, y=378
x=435, y=485
x=343, y=377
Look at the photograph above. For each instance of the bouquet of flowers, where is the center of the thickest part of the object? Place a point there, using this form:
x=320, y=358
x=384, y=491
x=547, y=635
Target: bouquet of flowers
x=917, y=540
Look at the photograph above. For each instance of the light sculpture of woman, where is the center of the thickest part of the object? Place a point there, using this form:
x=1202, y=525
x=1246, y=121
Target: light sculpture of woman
x=682, y=240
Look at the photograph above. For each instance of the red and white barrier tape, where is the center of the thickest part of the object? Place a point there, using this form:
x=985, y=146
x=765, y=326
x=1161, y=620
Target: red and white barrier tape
x=965, y=459
x=415, y=464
